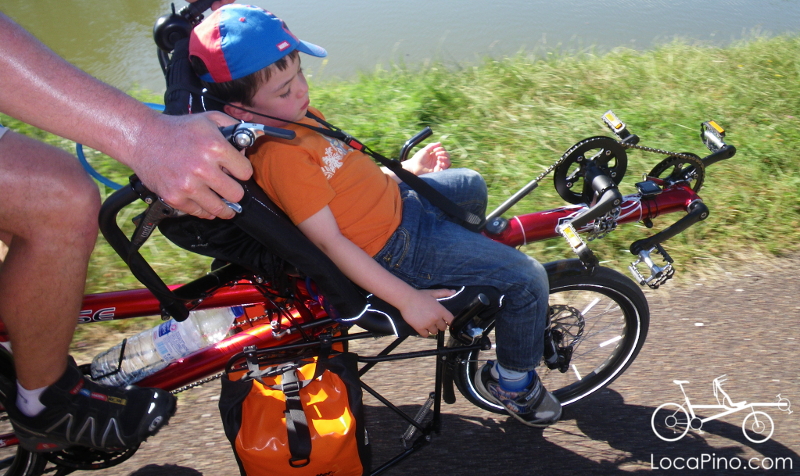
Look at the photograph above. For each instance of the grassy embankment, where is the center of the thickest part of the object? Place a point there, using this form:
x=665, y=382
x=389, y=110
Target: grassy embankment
x=511, y=118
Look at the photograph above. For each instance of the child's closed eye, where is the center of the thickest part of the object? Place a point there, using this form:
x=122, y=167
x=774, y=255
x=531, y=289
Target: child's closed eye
x=289, y=91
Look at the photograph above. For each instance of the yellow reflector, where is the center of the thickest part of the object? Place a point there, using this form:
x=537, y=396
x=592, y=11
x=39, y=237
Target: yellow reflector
x=716, y=127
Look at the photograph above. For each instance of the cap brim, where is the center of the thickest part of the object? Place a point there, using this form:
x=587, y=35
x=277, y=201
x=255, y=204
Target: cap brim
x=311, y=49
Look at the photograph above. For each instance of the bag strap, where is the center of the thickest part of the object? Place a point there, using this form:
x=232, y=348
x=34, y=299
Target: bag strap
x=296, y=422
x=299, y=435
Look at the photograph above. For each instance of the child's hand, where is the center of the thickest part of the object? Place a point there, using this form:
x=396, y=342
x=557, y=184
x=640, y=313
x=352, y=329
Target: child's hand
x=424, y=313
x=431, y=158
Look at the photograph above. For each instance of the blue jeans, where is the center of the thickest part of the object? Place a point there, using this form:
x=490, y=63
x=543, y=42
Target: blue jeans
x=430, y=250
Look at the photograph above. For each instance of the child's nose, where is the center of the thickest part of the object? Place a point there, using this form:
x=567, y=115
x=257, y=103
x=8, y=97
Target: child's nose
x=303, y=87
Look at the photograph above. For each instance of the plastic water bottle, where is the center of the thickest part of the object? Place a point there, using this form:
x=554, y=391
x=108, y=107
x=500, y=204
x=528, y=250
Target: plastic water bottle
x=153, y=349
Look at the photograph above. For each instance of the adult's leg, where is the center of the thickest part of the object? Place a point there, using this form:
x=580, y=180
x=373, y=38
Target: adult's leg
x=49, y=206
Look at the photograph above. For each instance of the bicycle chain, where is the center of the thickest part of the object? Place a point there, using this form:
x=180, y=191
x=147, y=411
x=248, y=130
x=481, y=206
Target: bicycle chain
x=625, y=145
x=657, y=151
x=197, y=383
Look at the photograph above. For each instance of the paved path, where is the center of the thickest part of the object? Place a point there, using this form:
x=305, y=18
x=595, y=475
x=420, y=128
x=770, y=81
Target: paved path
x=742, y=320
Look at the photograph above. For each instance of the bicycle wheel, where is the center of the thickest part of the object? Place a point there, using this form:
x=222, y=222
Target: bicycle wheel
x=670, y=422
x=14, y=460
x=759, y=429
x=604, y=316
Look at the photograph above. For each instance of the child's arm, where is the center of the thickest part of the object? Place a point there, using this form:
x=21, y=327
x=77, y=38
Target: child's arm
x=431, y=158
x=418, y=307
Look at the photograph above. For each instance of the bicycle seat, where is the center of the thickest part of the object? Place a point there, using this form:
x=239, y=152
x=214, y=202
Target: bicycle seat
x=680, y=382
x=261, y=232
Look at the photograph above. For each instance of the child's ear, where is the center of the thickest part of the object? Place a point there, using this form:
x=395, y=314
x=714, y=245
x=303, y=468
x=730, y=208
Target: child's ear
x=237, y=113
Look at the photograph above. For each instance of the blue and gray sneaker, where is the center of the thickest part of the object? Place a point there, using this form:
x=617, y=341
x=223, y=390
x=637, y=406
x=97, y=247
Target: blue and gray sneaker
x=534, y=406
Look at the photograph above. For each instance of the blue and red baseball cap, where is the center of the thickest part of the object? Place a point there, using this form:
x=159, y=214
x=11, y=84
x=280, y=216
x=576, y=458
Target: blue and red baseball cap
x=238, y=40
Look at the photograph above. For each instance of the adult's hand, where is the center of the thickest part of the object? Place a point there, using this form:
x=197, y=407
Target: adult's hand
x=188, y=163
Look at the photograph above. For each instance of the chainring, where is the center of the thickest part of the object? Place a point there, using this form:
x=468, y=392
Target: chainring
x=608, y=154
x=684, y=168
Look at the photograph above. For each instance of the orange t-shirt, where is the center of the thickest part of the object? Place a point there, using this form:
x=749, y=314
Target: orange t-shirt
x=311, y=171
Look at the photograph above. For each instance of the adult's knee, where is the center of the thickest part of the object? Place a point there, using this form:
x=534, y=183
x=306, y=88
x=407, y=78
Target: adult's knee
x=66, y=198
x=78, y=199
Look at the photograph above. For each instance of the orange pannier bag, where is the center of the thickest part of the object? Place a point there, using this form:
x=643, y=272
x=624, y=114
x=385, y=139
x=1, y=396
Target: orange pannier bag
x=303, y=418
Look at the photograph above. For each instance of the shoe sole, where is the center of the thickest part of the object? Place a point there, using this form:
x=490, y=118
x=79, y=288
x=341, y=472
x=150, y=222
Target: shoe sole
x=526, y=422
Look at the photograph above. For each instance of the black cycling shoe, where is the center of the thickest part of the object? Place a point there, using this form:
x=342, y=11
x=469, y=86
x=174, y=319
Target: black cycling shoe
x=80, y=412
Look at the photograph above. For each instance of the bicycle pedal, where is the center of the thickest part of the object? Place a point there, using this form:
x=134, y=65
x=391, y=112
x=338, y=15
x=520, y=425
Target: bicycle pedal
x=423, y=413
x=658, y=274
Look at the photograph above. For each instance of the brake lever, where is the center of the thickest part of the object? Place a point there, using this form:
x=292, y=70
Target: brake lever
x=157, y=210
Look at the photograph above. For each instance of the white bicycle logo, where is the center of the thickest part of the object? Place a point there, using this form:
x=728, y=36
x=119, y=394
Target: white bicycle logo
x=671, y=421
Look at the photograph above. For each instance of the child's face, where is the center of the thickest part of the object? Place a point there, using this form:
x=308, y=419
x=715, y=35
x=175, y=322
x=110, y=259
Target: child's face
x=285, y=95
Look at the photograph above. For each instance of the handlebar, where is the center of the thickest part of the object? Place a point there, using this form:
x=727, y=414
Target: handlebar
x=240, y=136
x=128, y=251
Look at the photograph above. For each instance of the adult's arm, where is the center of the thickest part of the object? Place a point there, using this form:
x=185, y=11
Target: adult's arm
x=181, y=158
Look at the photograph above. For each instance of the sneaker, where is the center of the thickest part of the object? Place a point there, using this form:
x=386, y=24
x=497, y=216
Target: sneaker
x=80, y=412
x=534, y=406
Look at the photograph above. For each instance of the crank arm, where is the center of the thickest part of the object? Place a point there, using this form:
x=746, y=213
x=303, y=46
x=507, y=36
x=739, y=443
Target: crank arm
x=698, y=211
x=610, y=198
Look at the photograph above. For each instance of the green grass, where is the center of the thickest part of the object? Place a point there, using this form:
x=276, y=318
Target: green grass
x=511, y=118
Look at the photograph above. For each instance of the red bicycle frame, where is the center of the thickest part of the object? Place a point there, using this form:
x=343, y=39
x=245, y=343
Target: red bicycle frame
x=140, y=302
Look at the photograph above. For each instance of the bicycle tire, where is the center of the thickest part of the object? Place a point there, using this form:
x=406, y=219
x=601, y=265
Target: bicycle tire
x=612, y=310
x=14, y=460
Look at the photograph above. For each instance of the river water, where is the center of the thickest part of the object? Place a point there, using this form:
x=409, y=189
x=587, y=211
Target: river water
x=111, y=39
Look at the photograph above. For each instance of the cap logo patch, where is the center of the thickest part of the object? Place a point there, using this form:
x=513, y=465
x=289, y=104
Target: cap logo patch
x=283, y=45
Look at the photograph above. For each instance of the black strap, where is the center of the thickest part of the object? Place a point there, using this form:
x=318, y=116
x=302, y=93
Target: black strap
x=296, y=423
x=469, y=219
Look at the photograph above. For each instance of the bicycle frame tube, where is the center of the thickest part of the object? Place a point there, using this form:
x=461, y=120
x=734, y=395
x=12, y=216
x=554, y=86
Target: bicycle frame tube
x=141, y=302
x=538, y=226
x=268, y=331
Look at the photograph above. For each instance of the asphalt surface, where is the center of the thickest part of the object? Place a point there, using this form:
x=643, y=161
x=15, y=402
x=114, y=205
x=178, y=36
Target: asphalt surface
x=739, y=320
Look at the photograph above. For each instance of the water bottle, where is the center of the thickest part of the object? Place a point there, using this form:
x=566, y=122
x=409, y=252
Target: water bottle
x=153, y=349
